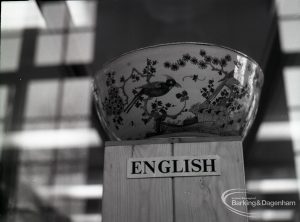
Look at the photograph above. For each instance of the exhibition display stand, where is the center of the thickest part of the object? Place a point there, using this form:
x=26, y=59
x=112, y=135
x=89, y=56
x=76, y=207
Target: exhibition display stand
x=172, y=179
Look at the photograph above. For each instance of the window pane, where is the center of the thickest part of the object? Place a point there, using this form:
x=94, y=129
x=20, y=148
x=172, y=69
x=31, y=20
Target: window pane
x=76, y=97
x=41, y=99
x=49, y=49
x=39, y=125
x=290, y=7
x=35, y=174
x=40, y=156
x=83, y=13
x=3, y=100
x=18, y=15
x=70, y=207
x=72, y=155
x=1, y=128
x=71, y=124
x=292, y=80
x=10, y=53
x=80, y=48
x=55, y=14
x=290, y=35
x=295, y=129
x=71, y=173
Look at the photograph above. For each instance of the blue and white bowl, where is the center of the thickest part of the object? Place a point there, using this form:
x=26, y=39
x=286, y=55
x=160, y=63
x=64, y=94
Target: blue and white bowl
x=178, y=89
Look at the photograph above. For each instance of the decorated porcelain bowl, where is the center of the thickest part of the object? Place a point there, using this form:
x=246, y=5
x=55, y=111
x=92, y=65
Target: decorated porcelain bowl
x=178, y=90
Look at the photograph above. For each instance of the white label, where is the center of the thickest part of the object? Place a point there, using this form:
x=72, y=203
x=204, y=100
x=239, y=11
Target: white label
x=181, y=166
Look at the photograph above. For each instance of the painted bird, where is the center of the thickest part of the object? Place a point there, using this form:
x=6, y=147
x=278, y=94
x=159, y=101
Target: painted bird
x=153, y=89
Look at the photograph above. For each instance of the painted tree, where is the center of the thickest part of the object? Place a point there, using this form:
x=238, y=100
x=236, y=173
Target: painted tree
x=220, y=99
x=153, y=108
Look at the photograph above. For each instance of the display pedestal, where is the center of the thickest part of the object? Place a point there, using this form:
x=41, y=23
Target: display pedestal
x=170, y=199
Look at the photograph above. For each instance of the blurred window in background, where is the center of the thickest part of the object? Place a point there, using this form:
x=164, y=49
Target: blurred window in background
x=283, y=132
x=69, y=34
x=289, y=24
x=10, y=52
x=47, y=133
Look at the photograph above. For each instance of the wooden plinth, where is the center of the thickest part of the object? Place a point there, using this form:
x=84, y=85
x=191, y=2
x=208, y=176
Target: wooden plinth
x=177, y=199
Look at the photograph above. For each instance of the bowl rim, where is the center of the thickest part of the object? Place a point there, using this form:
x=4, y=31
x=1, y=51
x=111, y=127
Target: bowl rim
x=182, y=43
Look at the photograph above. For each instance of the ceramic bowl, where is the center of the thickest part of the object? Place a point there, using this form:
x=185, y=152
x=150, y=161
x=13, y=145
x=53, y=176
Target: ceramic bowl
x=179, y=89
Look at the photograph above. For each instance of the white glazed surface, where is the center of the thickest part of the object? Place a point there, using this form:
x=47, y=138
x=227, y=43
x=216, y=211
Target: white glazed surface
x=138, y=94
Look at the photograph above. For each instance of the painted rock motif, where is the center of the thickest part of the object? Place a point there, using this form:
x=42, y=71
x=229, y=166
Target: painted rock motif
x=184, y=89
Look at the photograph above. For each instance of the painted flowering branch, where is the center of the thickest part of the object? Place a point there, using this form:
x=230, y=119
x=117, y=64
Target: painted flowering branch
x=148, y=73
x=125, y=80
x=122, y=87
x=203, y=63
x=216, y=64
x=160, y=110
x=194, y=78
x=117, y=98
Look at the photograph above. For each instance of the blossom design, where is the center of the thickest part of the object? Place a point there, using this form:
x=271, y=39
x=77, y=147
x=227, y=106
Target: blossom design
x=221, y=96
